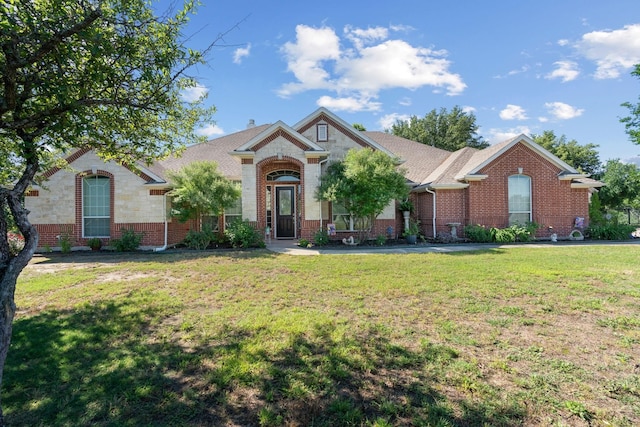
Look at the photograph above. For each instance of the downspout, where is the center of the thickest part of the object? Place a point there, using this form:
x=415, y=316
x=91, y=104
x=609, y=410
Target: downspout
x=166, y=224
x=319, y=175
x=434, y=210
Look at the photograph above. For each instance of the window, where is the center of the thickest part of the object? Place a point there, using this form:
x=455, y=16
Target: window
x=519, y=199
x=96, y=206
x=344, y=221
x=210, y=221
x=234, y=213
x=268, y=207
x=284, y=175
x=323, y=132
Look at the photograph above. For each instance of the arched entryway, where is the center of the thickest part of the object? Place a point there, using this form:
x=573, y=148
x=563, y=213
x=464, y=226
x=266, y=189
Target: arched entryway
x=280, y=210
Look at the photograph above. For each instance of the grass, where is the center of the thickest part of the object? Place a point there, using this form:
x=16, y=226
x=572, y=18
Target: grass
x=505, y=337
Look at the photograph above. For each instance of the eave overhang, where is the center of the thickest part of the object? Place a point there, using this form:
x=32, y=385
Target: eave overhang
x=472, y=177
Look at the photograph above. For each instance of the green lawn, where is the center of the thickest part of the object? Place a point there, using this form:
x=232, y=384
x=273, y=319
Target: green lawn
x=515, y=336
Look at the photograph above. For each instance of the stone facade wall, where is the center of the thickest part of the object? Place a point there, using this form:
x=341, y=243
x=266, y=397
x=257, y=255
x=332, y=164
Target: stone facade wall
x=56, y=208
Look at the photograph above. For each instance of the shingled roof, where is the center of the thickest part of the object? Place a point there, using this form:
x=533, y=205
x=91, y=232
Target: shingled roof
x=419, y=159
x=217, y=150
x=423, y=165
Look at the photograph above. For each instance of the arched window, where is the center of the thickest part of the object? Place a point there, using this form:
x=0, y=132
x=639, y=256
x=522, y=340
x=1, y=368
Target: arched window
x=519, y=199
x=284, y=175
x=96, y=206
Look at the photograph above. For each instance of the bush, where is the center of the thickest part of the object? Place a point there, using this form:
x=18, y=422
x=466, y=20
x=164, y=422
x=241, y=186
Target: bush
x=65, y=240
x=478, y=233
x=241, y=234
x=610, y=231
x=321, y=238
x=304, y=243
x=200, y=240
x=129, y=241
x=514, y=233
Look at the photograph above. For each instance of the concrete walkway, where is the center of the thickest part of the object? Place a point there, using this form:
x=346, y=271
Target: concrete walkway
x=290, y=247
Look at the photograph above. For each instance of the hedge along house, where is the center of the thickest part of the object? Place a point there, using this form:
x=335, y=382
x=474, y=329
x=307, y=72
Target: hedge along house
x=279, y=167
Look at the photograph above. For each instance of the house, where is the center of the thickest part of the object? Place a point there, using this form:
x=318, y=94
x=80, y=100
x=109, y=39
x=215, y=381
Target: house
x=279, y=167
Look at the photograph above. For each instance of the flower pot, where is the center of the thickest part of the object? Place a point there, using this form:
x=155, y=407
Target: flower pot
x=411, y=239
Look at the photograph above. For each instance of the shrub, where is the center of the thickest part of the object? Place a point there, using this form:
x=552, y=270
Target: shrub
x=511, y=234
x=381, y=240
x=65, y=240
x=610, y=231
x=303, y=243
x=200, y=240
x=129, y=241
x=241, y=234
x=503, y=235
x=321, y=238
x=478, y=233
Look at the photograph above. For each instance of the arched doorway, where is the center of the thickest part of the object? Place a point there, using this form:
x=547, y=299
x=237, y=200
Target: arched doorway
x=282, y=202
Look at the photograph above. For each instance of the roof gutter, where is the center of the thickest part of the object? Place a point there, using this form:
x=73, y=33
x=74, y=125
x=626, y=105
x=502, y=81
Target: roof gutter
x=425, y=187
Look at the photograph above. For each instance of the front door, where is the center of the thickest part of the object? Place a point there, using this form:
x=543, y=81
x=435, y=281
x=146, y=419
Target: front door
x=285, y=212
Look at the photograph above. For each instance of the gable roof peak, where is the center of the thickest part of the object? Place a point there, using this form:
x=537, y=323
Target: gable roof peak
x=342, y=125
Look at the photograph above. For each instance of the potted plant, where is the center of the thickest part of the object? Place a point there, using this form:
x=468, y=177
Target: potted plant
x=411, y=232
x=94, y=243
x=405, y=206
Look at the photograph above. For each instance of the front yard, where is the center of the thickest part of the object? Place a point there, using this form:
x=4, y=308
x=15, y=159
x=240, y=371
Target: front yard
x=515, y=336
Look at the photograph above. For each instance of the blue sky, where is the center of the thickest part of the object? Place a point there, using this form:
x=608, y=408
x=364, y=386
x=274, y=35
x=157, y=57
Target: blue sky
x=520, y=66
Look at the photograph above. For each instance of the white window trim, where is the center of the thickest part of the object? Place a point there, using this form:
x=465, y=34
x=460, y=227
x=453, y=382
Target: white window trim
x=530, y=211
x=84, y=235
x=322, y=130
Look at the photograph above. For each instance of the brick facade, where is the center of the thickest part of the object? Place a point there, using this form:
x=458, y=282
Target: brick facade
x=486, y=202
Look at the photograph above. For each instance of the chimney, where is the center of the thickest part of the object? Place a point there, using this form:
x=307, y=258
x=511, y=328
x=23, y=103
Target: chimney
x=252, y=124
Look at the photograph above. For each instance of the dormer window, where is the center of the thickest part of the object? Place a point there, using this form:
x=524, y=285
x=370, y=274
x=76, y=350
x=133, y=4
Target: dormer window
x=323, y=132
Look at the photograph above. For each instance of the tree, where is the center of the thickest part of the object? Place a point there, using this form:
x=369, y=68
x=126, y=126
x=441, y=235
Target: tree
x=623, y=185
x=359, y=126
x=104, y=75
x=199, y=189
x=584, y=158
x=632, y=122
x=365, y=182
x=450, y=131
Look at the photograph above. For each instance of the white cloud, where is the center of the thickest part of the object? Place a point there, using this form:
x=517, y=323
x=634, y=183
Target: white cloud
x=210, y=130
x=241, y=53
x=513, y=112
x=563, y=42
x=405, y=102
x=495, y=136
x=360, y=37
x=305, y=58
x=373, y=63
x=389, y=120
x=468, y=109
x=520, y=70
x=562, y=111
x=349, y=104
x=565, y=70
x=192, y=94
x=395, y=63
x=613, y=51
